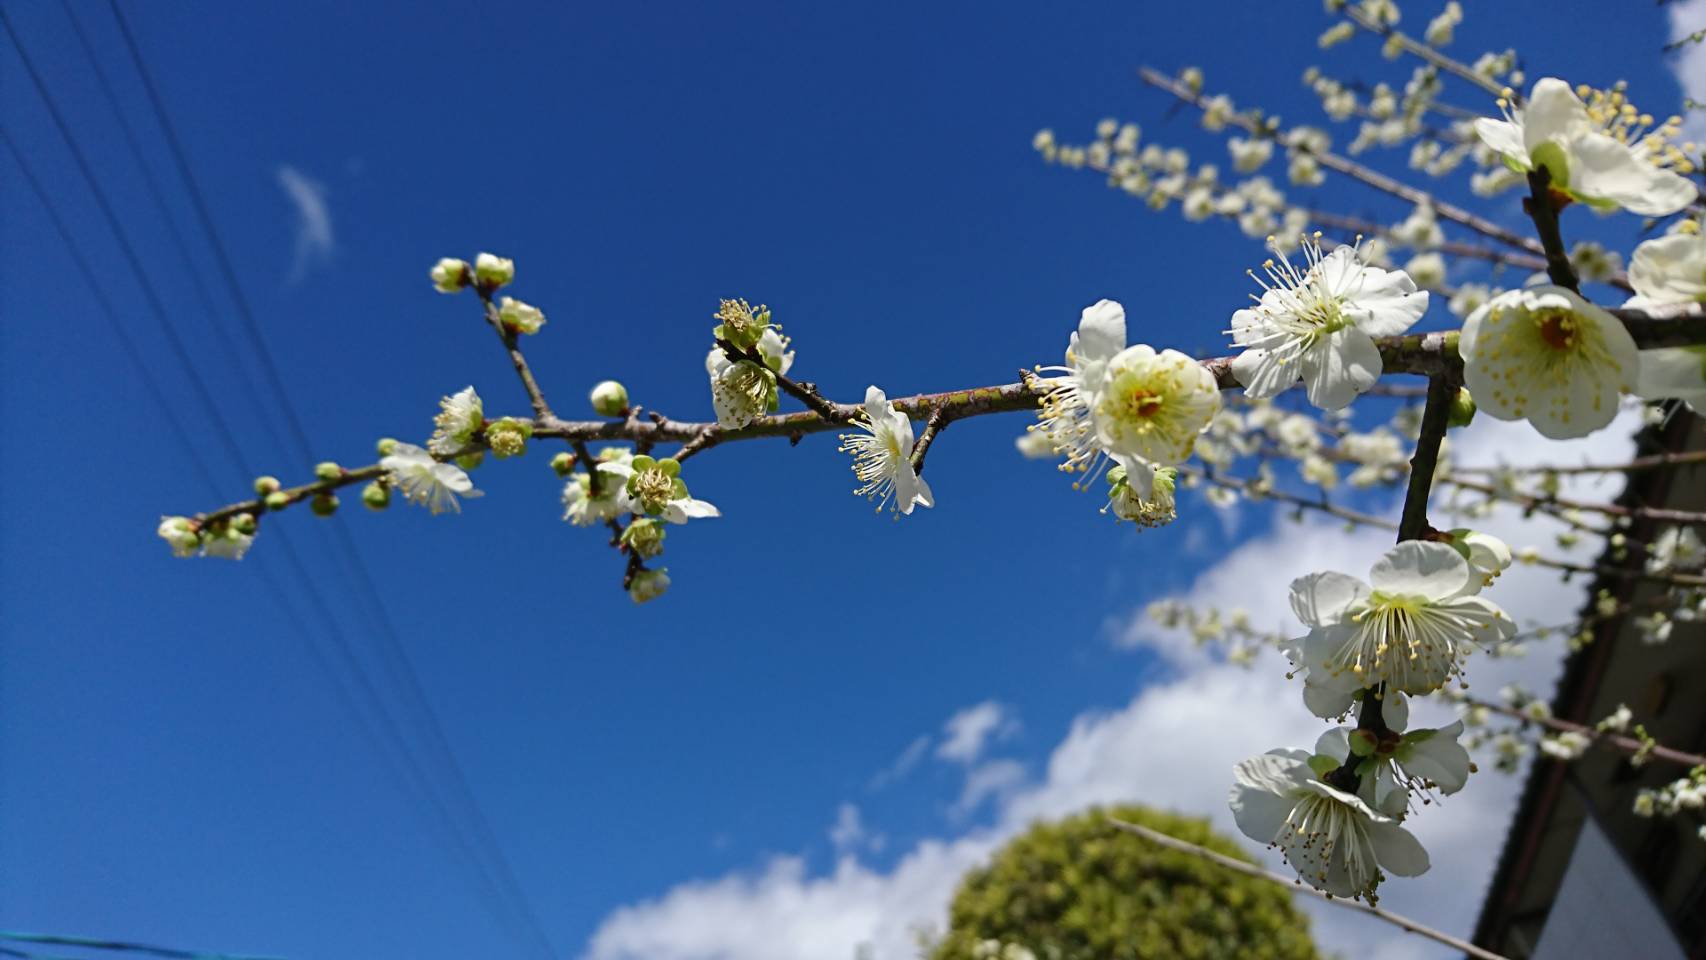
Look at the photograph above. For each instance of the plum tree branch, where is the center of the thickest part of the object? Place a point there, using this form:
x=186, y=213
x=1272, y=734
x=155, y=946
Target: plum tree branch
x=1251, y=870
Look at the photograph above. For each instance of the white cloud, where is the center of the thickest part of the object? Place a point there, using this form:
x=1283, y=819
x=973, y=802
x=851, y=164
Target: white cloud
x=314, y=240
x=1172, y=746
x=1689, y=63
x=995, y=779
x=902, y=765
x=967, y=732
x=849, y=835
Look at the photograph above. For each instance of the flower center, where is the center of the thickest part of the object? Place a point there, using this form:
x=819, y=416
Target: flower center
x=1557, y=330
x=1143, y=402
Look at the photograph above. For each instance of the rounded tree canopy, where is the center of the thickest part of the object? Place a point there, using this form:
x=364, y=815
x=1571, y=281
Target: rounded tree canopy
x=1079, y=889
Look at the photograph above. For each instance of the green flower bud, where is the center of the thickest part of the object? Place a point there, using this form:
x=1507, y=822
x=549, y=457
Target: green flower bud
x=278, y=500
x=609, y=398
x=1462, y=409
x=376, y=496
x=1323, y=764
x=328, y=470
x=266, y=485
x=507, y=437
x=469, y=461
x=324, y=504
x=244, y=523
x=386, y=446
x=563, y=464
x=644, y=536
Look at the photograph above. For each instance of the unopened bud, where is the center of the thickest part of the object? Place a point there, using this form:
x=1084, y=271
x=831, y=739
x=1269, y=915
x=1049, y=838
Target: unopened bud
x=324, y=504
x=1322, y=764
x=644, y=536
x=1363, y=743
x=386, y=446
x=1462, y=409
x=492, y=271
x=244, y=523
x=376, y=496
x=520, y=317
x=328, y=471
x=266, y=485
x=563, y=464
x=450, y=275
x=648, y=585
x=609, y=399
x=469, y=461
x=277, y=500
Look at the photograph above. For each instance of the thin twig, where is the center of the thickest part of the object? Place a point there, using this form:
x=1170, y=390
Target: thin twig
x=1354, y=170
x=937, y=422
x=1651, y=462
x=1552, y=504
x=1409, y=45
x=1617, y=741
x=535, y=396
x=1297, y=886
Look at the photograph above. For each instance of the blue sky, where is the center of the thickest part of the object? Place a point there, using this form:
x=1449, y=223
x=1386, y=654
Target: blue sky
x=175, y=765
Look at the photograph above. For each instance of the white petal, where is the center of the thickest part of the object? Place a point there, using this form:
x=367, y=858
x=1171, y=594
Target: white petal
x=1339, y=367
x=1502, y=137
x=1263, y=376
x=1387, y=303
x=1605, y=168
x=1553, y=113
x=1101, y=330
x=1398, y=850
x=1421, y=568
x=1441, y=759
x=1335, y=743
x=1395, y=711
x=1322, y=598
x=616, y=467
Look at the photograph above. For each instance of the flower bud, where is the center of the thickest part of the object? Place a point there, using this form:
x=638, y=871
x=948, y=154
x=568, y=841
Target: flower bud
x=1322, y=764
x=469, y=461
x=492, y=272
x=648, y=585
x=324, y=504
x=328, y=470
x=450, y=275
x=507, y=437
x=277, y=500
x=609, y=399
x=266, y=485
x=244, y=523
x=376, y=496
x=644, y=536
x=520, y=317
x=386, y=446
x=179, y=534
x=1462, y=409
x=563, y=464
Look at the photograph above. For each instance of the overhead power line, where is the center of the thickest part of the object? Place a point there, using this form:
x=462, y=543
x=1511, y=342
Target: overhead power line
x=388, y=724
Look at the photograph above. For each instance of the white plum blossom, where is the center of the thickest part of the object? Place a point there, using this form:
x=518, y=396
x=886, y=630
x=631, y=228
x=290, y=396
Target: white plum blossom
x=1415, y=762
x=742, y=390
x=1147, y=501
x=655, y=488
x=882, y=456
x=460, y=416
x=1411, y=627
x=1603, y=156
x=1546, y=355
x=180, y=534
x=1318, y=323
x=648, y=585
x=226, y=542
x=1675, y=548
x=583, y=509
x=1335, y=840
x=1668, y=270
x=1152, y=405
x=1065, y=408
x=1248, y=155
x=425, y=481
